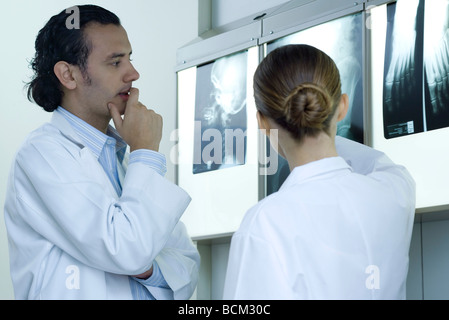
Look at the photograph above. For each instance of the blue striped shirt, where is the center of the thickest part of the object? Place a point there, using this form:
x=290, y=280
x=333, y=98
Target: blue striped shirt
x=110, y=149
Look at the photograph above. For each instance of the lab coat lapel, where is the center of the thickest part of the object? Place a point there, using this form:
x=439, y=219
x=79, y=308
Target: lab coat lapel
x=90, y=161
x=96, y=171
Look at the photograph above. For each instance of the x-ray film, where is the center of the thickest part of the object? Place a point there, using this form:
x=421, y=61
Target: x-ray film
x=416, y=70
x=220, y=114
x=341, y=39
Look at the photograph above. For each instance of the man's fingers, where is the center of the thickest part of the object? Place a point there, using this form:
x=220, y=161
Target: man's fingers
x=140, y=128
x=133, y=97
x=115, y=114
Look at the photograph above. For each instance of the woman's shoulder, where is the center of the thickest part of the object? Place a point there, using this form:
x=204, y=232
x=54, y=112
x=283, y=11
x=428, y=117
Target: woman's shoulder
x=267, y=213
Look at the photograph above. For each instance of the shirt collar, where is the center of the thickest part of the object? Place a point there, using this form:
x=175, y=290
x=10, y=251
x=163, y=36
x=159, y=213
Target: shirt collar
x=323, y=168
x=94, y=139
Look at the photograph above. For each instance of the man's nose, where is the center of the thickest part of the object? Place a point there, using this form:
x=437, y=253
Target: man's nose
x=132, y=74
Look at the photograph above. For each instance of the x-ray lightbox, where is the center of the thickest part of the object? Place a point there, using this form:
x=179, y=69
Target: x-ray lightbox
x=218, y=142
x=409, y=70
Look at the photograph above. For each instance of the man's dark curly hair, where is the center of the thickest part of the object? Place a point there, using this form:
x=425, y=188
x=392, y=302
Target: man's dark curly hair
x=56, y=42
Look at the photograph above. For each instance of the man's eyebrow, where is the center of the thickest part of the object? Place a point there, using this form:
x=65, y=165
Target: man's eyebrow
x=117, y=55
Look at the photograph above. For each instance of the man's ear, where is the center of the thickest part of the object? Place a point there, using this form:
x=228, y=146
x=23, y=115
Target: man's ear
x=343, y=107
x=64, y=72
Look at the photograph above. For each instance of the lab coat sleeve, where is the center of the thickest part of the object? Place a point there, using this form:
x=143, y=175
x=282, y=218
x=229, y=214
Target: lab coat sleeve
x=254, y=271
x=379, y=167
x=179, y=263
x=70, y=208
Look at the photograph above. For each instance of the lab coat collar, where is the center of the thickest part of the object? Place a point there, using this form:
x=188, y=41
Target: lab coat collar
x=64, y=125
x=86, y=154
x=316, y=170
x=66, y=129
x=92, y=138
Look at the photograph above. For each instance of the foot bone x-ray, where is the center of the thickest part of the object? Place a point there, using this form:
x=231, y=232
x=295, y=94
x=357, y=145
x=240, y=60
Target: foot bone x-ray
x=416, y=84
x=436, y=53
x=400, y=79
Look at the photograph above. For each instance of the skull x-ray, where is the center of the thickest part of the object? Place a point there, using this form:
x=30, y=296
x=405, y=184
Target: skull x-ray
x=341, y=39
x=416, y=73
x=220, y=114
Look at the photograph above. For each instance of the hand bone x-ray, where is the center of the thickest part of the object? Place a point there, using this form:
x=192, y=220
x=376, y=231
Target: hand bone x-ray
x=416, y=83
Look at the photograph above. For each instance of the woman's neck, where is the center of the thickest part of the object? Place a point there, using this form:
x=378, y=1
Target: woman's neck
x=308, y=150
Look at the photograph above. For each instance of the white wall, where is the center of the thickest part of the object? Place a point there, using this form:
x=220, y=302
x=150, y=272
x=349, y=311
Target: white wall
x=156, y=30
x=227, y=11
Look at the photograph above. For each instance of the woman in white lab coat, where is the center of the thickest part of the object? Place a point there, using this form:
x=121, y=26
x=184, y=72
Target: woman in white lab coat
x=340, y=225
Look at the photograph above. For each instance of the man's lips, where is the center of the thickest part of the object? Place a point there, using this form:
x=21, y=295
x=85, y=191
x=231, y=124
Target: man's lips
x=124, y=95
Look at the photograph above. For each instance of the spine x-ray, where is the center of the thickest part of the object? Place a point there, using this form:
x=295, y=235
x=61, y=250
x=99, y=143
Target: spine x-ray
x=220, y=114
x=416, y=84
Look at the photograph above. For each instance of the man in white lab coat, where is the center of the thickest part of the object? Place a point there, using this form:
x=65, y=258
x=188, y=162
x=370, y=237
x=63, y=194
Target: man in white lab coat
x=85, y=219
